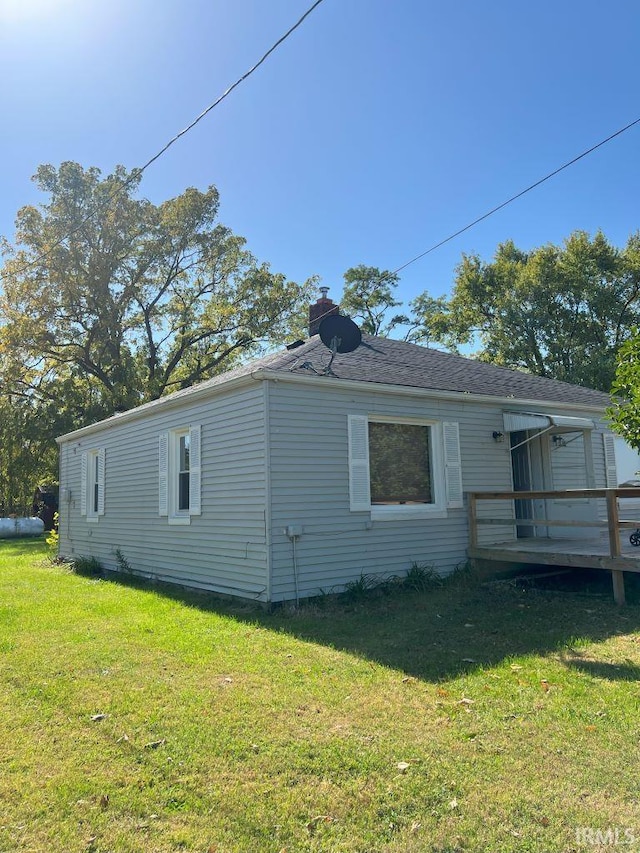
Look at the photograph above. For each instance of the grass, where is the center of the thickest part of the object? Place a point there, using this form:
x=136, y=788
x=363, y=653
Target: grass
x=455, y=718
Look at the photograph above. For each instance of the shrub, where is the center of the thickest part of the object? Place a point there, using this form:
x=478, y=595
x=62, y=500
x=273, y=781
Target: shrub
x=87, y=566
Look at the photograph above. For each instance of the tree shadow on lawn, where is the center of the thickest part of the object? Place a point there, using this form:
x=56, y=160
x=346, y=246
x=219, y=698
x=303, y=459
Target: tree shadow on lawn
x=451, y=629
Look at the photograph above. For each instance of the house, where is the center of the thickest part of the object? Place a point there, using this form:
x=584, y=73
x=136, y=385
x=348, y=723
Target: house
x=281, y=478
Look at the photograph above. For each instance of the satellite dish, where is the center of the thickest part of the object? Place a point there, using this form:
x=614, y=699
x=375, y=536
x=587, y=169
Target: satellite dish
x=339, y=334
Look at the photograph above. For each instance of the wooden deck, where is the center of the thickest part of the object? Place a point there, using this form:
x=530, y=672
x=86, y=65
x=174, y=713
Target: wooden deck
x=603, y=545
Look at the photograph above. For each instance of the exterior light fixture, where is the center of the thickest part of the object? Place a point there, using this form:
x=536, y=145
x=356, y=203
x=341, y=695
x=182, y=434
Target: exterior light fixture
x=497, y=436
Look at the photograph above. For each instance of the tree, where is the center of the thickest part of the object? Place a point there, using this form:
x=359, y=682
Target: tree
x=557, y=311
x=368, y=297
x=110, y=300
x=624, y=414
x=28, y=456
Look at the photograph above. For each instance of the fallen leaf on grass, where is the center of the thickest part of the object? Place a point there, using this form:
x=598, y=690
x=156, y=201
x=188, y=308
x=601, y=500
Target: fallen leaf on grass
x=95, y=718
x=465, y=701
x=453, y=804
x=403, y=766
x=104, y=801
x=516, y=667
x=154, y=744
x=545, y=685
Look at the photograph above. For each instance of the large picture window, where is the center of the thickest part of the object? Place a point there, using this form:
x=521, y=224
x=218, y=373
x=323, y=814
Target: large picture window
x=400, y=469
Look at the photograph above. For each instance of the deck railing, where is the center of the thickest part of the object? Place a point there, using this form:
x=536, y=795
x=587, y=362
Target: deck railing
x=613, y=522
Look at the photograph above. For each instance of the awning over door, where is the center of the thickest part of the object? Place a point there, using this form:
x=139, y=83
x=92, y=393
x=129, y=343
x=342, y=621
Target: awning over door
x=516, y=421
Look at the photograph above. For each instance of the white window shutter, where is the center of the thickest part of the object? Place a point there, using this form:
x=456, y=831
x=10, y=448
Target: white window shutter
x=359, y=485
x=163, y=473
x=611, y=471
x=195, y=504
x=101, y=473
x=452, y=464
x=83, y=484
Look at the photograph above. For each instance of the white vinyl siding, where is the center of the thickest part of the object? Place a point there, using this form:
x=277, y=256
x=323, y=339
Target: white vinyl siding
x=568, y=461
x=265, y=471
x=312, y=430
x=224, y=548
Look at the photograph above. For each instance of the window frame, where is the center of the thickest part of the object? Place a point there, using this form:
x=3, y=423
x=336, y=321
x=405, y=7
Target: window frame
x=435, y=508
x=446, y=477
x=176, y=514
x=92, y=487
x=170, y=473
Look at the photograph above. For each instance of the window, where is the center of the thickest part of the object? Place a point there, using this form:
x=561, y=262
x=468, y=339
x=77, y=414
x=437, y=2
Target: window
x=179, y=474
x=92, y=485
x=402, y=468
x=183, y=447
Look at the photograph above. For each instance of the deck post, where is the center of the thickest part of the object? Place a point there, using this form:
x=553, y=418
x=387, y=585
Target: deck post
x=612, y=521
x=472, y=516
x=617, y=576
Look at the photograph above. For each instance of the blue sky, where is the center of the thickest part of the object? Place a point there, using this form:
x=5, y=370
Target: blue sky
x=377, y=129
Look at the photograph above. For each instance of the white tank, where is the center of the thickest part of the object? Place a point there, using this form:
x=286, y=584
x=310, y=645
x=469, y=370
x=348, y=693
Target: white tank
x=13, y=527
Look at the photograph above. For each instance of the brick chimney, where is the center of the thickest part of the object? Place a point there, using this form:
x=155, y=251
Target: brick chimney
x=321, y=309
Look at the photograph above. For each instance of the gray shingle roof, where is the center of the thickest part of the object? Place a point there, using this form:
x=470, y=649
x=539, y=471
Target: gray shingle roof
x=399, y=363
x=382, y=360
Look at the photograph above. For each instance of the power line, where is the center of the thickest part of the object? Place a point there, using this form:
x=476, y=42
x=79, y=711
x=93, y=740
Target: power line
x=137, y=173
x=231, y=88
x=517, y=195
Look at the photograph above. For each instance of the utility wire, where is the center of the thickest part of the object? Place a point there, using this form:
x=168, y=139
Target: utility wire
x=230, y=89
x=518, y=195
x=137, y=173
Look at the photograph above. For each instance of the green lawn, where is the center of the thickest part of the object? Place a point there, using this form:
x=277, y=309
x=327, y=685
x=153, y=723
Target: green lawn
x=464, y=718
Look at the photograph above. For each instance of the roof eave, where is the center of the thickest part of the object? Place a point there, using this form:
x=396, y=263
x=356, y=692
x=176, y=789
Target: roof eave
x=163, y=404
x=412, y=391
x=200, y=392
